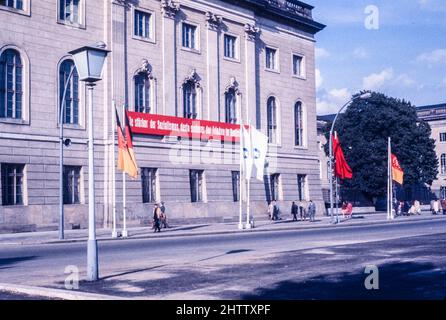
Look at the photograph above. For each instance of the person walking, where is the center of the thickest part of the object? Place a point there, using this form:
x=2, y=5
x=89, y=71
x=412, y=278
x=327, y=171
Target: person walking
x=303, y=210
x=276, y=211
x=156, y=218
x=435, y=207
x=312, y=210
x=294, y=210
x=443, y=205
x=270, y=210
x=163, y=219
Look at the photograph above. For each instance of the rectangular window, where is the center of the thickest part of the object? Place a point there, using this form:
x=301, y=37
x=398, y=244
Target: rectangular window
x=12, y=176
x=442, y=136
x=271, y=59
x=298, y=66
x=70, y=11
x=189, y=36
x=236, y=186
x=71, y=184
x=142, y=24
x=275, y=186
x=442, y=192
x=230, y=46
x=16, y=4
x=149, y=185
x=197, y=185
x=301, y=187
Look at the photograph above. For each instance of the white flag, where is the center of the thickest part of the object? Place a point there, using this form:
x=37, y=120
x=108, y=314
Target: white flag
x=246, y=156
x=259, y=146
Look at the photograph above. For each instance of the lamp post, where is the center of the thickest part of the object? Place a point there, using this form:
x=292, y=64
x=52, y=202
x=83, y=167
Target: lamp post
x=62, y=142
x=362, y=96
x=89, y=62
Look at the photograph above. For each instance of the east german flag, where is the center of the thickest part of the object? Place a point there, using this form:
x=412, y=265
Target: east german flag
x=133, y=171
x=342, y=170
x=397, y=171
x=125, y=161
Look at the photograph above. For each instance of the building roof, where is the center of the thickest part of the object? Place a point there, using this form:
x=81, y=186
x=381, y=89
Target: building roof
x=326, y=118
x=432, y=112
x=295, y=12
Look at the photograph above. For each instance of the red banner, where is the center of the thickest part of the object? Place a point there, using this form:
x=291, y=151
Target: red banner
x=159, y=125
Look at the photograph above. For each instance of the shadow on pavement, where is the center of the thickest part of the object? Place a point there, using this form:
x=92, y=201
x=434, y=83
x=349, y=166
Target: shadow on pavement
x=9, y=261
x=397, y=281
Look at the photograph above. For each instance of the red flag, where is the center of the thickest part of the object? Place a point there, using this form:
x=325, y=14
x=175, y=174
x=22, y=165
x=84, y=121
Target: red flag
x=342, y=169
x=126, y=156
x=397, y=172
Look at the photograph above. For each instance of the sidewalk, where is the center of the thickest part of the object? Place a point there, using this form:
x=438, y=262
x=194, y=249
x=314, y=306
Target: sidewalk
x=51, y=237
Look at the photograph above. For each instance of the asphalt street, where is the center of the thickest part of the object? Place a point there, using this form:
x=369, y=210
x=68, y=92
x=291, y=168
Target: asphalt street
x=297, y=264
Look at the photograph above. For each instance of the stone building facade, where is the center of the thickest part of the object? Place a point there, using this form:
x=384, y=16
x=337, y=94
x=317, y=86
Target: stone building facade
x=214, y=60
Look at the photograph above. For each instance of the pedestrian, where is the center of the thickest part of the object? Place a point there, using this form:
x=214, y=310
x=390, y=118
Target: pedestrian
x=270, y=210
x=406, y=208
x=344, y=208
x=303, y=210
x=312, y=210
x=156, y=218
x=443, y=205
x=435, y=207
x=349, y=209
x=294, y=210
x=417, y=206
x=163, y=219
x=276, y=211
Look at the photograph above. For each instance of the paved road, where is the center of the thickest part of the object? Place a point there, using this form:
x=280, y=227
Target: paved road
x=305, y=264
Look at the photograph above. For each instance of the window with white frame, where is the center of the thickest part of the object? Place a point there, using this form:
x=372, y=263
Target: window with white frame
x=142, y=24
x=299, y=124
x=231, y=106
x=149, y=183
x=189, y=36
x=236, y=185
x=197, y=188
x=190, y=100
x=143, y=93
x=72, y=184
x=442, y=136
x=272, y=120
x=11, y=84
x=443, y=164
x=301, y=187
x=275, y=186
x=271, y=59
x=230, y=46
x=70, y=11
x=15, y=4
x=71, y=102
x=298, y=66
x=12, y=180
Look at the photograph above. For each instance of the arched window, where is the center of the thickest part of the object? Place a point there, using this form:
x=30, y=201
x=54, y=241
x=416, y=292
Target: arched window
x=142, y=94
x=299, y=124
x=11, y=84
x=231, y=106
x=443, y=164
x=190, y=100
x=71, y=105
x=272, y=120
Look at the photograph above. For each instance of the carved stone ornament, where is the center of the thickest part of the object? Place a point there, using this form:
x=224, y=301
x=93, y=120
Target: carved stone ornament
x=194, y=78
x=251, y=31
x=233, y=85
x=145, y=69
x=213, y=21
x=169, y=8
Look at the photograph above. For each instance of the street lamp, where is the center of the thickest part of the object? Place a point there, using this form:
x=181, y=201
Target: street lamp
x=362, y=96
x=89, y=62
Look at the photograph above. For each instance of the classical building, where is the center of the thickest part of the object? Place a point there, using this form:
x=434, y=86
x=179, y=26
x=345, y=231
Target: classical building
x=189, y=72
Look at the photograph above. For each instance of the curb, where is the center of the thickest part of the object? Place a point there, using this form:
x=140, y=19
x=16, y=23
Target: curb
x=54, y=293
x=169, y=235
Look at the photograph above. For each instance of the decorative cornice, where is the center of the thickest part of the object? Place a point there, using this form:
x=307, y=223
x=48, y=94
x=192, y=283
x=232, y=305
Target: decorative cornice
x=251, y=31
x=233, y=85
x=145, y=69
x=213, y=21
x=169, y=8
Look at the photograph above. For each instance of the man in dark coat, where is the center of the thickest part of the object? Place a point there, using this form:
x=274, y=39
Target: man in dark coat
x=294, y=210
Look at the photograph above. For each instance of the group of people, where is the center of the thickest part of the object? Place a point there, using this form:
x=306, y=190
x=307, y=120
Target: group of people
x=303, y=208
x=405, y=208
x=159, y=217
x=438, y=206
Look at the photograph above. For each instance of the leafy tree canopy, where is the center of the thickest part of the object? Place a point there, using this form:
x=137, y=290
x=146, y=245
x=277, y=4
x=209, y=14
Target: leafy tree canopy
x=363, y=131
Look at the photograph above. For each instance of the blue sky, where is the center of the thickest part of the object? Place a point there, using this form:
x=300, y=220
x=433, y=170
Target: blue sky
x=405, y=57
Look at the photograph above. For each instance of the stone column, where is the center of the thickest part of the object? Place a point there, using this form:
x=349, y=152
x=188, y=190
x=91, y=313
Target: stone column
x=169, y=10
x=213, y=23
x=249, y=114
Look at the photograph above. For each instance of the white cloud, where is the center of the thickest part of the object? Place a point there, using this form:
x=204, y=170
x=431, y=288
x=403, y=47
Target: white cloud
x=377, y=80
x=319, y=79
x=322, y=53
x=434, y=57
x=360, y=53
x=404, y=80
x=330, y=102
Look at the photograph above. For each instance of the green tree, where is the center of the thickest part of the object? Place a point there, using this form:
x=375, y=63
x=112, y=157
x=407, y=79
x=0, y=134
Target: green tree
x=363, y=131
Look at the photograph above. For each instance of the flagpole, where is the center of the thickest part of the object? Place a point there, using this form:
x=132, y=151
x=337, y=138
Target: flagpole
x=241, y=175
x=389, y=203
x=248, y=188
x=114, y=232
x=124, y=217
